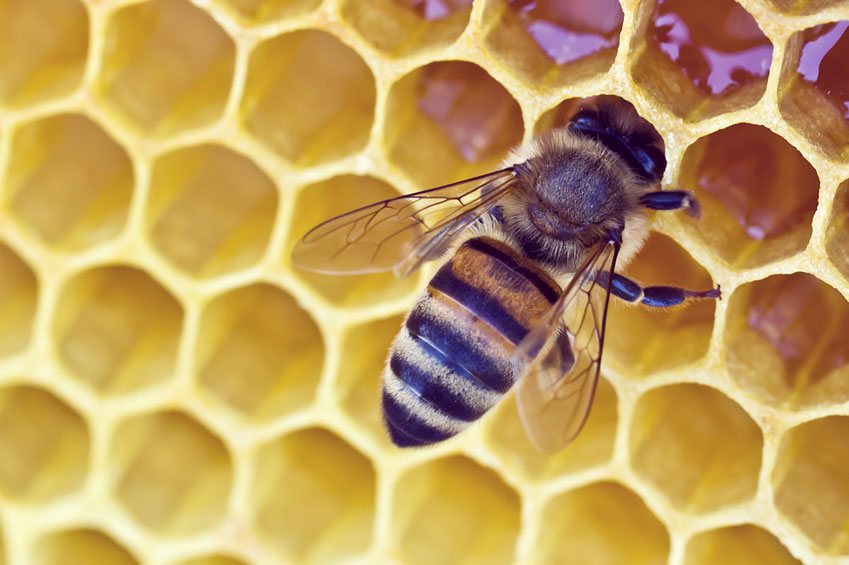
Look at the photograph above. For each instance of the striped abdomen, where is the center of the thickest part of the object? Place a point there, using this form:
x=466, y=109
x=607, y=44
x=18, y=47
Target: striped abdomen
x=451, y=361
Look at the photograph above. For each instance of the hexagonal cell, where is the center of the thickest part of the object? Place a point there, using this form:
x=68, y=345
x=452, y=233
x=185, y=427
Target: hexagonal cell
x=744, y=545
x=786, y=341
x=85, y=545
x=696, y=446
x=321, y=201
x=170, y=473
x=814, y=87
x=257, y=12
x=643, y=340
x=452, y=510
x=211, y=210
x=258, y=352
x=212, y=560
x=116, y=329
x=452, y=113
x=45, y=445
x=758, y=194
x=18, y=301
x=700, y=59
x=167, y=67
x=69, y=182
x=43, y=48
x=326, y=484
x=308, y=97
x=837, y=236
x=601, y=523
x=553, y=43
x=404, y=27
x=812, y=483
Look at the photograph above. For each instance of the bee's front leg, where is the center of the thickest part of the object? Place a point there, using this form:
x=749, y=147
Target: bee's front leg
x=672, y=200
x=658, y=296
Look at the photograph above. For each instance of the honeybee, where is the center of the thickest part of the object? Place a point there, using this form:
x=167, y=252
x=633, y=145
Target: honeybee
x=529, y=256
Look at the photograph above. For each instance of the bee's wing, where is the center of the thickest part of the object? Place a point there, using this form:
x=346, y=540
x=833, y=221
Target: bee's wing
x=559, y=370
x=403, y=232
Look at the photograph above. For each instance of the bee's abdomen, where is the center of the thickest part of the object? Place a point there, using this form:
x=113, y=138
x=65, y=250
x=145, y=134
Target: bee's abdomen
x=451, y=361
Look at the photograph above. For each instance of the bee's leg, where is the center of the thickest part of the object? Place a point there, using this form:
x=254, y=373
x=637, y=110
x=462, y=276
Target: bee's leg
x=658, y=296
x=672, y=200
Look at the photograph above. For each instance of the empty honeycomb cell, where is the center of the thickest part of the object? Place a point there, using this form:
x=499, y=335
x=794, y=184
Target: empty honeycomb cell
x=452, y=113
x=326, y=199
x=593, y=446
x=551, y=42
x=211, y=210
x=313, y=497
x=258, y=352
x=212, y=560
x=700, y=59
x=758, y=194
x=814, y=87
x=837, y=243
x=170, y=473
x=55, y=33
x=253, y=12
x=308, y=97
x=696, y=446
x=452, y=510
x=83, y=545
x=18, y=301
x=167, y=67
x=404, y=27
x=645, y=340
x=786, y=341
x=603, y=523
x=45, y=445
x=741, y=545
x=116, y=329
x=811, y=481
x=68, y=181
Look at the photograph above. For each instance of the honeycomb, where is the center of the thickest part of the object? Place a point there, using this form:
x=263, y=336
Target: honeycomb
x=173, y=390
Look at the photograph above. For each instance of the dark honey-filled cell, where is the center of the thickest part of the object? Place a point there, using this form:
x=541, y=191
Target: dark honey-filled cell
x=18, y=301
x=43, y=49
x=814, y=87
x=308, y=97
x=404, y=27
x=641, y=339
x=837, y=236
x=757, y=193
x=741, y=545
x=452, y=113
x=700, y=59
x=167, y=67
x=85, y=545
x=256, y=12
x=786, y=341
x=553, y=42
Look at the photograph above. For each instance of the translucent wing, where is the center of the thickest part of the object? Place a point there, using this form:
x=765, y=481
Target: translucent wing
x=560, y=362
x=400, y=233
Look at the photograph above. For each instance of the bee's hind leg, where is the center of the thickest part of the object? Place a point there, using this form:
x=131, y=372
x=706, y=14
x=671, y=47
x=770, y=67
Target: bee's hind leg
x=658, y=296
x=672, y=200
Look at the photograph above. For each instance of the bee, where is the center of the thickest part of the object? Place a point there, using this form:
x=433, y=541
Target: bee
x=530, y=256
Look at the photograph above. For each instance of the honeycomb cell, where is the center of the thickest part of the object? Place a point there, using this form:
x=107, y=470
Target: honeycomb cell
x=646, y=340
x=786, y=341
x=88, y=546
x=256, y=12
x=812, y=483
x=326, y=199
x=837, y=238
x=452, y=510
x=116, y=329
x=45, y=445
x=211, y=210
x=814, y=87
x=170, y=473
x=450, y=113
x=18, y=301
x=308, y=97
x=696, y=446
x=69, y=183
x=212, y=560
x=314, y=497
x=55, y=33
x=758, y=194
x=551, y=42
x=167, y=67
x=593, y=446
x=404, y=27
x=601, y=523
x=740, y=545
x=258, y=352
x=700, y=59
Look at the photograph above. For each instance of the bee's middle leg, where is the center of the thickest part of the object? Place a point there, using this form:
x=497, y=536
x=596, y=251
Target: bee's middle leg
x=658, y=296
